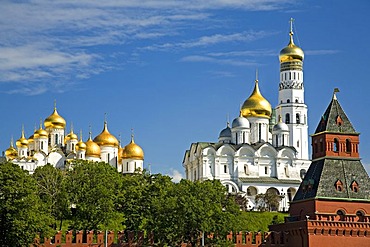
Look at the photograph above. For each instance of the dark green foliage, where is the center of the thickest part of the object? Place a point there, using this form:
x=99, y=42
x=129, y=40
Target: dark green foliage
x=94, y=196
x=93, y=187
x=21, y=213
x=259, y=221
x=52, y=190
x=268, y=201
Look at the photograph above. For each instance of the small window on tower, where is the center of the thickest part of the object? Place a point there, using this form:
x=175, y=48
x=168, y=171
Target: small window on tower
x=348, y=146
x=339, y=185
x=287, y=118
x=336, y=145
x=297, y=118
x=354, y=186
x=339, y=121
x=266, y=170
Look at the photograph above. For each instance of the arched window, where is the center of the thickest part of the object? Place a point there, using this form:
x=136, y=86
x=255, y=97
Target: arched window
x=336, y=145
x=302, y=173
x=360, y=214
x=354, y=186
x=321, y=146
x=288, y=100
x=56, y=138
x=287, y=118
x=348, y=146
x=341, y=215
x=297, y=118
x=339, y=185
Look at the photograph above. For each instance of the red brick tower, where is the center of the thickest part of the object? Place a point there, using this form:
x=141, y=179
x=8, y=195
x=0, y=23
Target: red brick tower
x=332, y=204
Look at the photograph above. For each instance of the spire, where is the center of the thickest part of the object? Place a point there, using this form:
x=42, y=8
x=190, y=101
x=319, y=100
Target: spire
x=23, y=131
x=12, y=142
x=90, y=139
x=55, y=104
x=81, y=135
x=291, y=42
x=132, y=135
x=336, y=90
x=256, y=80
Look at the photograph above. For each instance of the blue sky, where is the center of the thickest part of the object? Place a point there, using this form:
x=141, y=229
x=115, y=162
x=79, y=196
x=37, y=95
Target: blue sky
x=173, y=70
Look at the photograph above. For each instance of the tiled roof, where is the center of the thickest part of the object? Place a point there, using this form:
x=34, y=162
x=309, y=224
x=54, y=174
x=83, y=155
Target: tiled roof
x=325, y=173
x=269, y=180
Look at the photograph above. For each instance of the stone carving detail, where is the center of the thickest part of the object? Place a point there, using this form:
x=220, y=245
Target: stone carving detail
x=290, y=85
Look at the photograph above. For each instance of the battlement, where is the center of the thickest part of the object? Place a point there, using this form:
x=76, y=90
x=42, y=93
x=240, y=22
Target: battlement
x=89, y=239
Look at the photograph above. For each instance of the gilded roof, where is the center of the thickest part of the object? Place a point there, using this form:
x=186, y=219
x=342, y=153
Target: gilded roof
x=55, y=121
x=256, y=105
x=132, y=151
x=105, y=138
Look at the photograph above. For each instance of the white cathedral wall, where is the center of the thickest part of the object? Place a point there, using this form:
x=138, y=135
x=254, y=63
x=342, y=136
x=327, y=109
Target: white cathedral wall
x=56, y=137
x=56, y=159
x=255, y=124
x=130, y=165
x=109, y=155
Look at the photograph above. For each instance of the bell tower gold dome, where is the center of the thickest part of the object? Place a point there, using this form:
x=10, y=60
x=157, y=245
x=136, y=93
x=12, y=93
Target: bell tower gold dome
x=256, y=105
x=55, y=121
x=291, y=52
x=132, y=151
x=105, y=138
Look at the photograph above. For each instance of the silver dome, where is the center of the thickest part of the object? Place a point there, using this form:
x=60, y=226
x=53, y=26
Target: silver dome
x=280, y=127
x=240, y=122
x=225, y=132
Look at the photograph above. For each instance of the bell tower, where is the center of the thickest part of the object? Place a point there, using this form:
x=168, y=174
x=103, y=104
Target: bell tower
x=292, y=107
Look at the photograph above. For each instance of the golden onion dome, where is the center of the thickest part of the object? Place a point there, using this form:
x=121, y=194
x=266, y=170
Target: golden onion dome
x=11, y=152
x=71, y=136
x=256, y=105
x=132, y=151
x=22, y=142
x=80, y=145
x=30, y=139
x=291, y=51
x=55, y=121
x=40, y=133
x=92, y=148
x=105, y=138
x=120, y=152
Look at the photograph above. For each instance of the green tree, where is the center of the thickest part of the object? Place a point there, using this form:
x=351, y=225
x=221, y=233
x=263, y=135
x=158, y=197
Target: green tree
x=269, y=201
x=21, y=214
x=51, y=183
x=93, y=187
x=133, y=200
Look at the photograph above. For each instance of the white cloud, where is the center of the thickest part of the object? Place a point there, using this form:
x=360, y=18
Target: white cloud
x=51, y=41
x=214, y=39
x=207, y=59
x=176, y=175
x=254, y=53
x=321, y=52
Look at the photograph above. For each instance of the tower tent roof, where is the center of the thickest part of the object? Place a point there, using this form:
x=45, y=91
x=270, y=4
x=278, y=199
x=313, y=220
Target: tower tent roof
x=322, y=176
x=335, y=120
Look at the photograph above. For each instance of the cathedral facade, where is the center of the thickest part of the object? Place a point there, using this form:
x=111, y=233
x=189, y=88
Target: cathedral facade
x=257, y=154
x=52, y=145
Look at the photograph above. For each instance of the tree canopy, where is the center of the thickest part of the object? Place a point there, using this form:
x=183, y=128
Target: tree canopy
x=94, y=196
